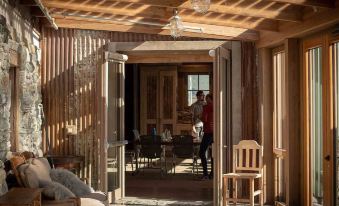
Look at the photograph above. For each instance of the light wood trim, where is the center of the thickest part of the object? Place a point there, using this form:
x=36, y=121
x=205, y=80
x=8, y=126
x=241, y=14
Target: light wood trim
x=235, y=9
x=214, y=32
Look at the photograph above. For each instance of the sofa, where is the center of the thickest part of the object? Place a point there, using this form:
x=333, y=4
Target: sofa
x=60, y=187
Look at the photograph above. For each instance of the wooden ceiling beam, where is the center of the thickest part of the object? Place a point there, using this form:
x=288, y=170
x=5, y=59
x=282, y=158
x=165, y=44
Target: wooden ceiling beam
x=316, y=23
x=278, y=11
x=214, y=32
x=162, y=13
x=316, y=3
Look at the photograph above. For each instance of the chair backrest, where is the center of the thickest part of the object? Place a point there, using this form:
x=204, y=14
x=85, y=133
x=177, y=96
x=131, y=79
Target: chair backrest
x=183, y=146
x=150, y=146
x=247, y=156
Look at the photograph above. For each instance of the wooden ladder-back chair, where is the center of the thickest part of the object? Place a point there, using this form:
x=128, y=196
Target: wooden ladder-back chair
x=247, y=164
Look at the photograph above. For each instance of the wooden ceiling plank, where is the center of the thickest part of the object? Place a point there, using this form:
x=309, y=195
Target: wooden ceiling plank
x=215, y=33
x=163, y=14
x=283, y=14
x=315, y=3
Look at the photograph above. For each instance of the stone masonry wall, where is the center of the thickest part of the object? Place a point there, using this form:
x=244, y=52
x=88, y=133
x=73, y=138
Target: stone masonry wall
x=16, y=36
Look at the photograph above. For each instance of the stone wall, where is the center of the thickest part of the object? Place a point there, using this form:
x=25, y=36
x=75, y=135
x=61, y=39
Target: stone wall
x=16, y=37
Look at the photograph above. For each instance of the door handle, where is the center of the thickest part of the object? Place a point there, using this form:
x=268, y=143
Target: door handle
x=327, y=157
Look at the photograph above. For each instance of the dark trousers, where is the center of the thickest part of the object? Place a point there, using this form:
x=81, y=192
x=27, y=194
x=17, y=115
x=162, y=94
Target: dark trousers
x=205, y=142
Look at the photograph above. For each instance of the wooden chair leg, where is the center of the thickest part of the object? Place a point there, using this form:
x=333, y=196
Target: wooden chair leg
x=226, y=194
x=261, y=196
x=251, y=191
x=235, y=195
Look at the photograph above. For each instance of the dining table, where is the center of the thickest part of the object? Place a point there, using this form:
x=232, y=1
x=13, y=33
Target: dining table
x=164, y=142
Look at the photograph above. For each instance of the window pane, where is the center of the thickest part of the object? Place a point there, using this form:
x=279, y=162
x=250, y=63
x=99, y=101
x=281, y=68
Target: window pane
x=191, y=97
x=204, y=82
x=192, y=82
x=315, y=77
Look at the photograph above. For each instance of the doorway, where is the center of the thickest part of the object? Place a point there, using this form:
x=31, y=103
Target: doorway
x=212, y=51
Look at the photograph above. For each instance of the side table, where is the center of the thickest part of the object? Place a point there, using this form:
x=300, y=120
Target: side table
x=21, y=196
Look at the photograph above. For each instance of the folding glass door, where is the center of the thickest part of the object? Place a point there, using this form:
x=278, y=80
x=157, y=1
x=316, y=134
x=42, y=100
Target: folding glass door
x=318, y=117
x=314, y=57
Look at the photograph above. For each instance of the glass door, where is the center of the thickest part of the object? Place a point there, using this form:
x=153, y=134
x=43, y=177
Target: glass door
x=316, y=124
x=111, y=118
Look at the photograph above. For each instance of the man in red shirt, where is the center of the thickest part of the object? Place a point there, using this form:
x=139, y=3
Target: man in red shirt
x=207, y=119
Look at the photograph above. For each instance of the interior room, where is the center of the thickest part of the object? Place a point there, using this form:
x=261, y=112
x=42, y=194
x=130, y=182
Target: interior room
x=108, y=102
x=177, y=120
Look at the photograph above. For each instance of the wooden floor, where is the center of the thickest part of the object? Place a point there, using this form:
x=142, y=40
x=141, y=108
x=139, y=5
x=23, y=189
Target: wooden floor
x=182, y=188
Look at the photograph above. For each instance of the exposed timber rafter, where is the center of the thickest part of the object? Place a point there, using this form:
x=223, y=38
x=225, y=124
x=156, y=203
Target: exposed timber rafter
x=277, y=11
x=215, y=32
x=162, y=13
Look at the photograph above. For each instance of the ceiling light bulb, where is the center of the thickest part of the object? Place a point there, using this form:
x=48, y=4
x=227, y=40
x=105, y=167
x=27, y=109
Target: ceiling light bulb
x=176, y=26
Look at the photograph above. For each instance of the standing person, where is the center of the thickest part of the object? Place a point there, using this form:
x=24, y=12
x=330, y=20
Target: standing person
x=196, y=110
x=207, y=140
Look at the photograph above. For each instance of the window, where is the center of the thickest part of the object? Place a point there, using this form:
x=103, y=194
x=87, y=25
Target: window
x=195, y=83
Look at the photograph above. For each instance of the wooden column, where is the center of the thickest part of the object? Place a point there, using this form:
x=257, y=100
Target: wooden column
x=292, y=122
x=249, y=91
x=265, y=82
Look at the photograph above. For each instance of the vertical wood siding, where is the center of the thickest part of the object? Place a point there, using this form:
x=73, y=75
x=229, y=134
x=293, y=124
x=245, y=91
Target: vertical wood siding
x=70, y=61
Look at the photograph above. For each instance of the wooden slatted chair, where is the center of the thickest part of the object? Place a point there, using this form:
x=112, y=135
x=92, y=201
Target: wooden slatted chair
x=247, y=164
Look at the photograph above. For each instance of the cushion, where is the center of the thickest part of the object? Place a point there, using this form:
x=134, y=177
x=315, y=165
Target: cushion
x=40, y=167
x=71, y=181
x=21, y=176
x=55, y=190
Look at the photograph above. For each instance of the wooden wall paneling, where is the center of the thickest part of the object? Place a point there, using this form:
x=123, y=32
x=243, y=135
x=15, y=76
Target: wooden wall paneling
x=53, y=90
x=266, y=124
x=65, y=83
x=57, y=94
x=43, y=83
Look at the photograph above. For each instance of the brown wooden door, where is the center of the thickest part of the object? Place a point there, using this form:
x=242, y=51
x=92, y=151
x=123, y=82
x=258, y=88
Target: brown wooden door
x=149, y=86
x=167, y=103
x=158, y=98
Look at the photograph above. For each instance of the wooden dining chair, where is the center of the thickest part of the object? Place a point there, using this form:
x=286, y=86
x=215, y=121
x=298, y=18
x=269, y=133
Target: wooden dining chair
x=247, y=164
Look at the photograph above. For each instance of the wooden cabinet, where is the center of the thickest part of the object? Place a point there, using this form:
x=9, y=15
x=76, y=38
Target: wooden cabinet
x=22, y=197
x=158, y=90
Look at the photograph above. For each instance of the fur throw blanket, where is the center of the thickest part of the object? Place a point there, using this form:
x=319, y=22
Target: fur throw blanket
x=71, y=181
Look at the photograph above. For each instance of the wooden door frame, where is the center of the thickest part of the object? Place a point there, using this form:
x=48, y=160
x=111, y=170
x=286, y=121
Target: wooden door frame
x=324, y=40
x=177, y=52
